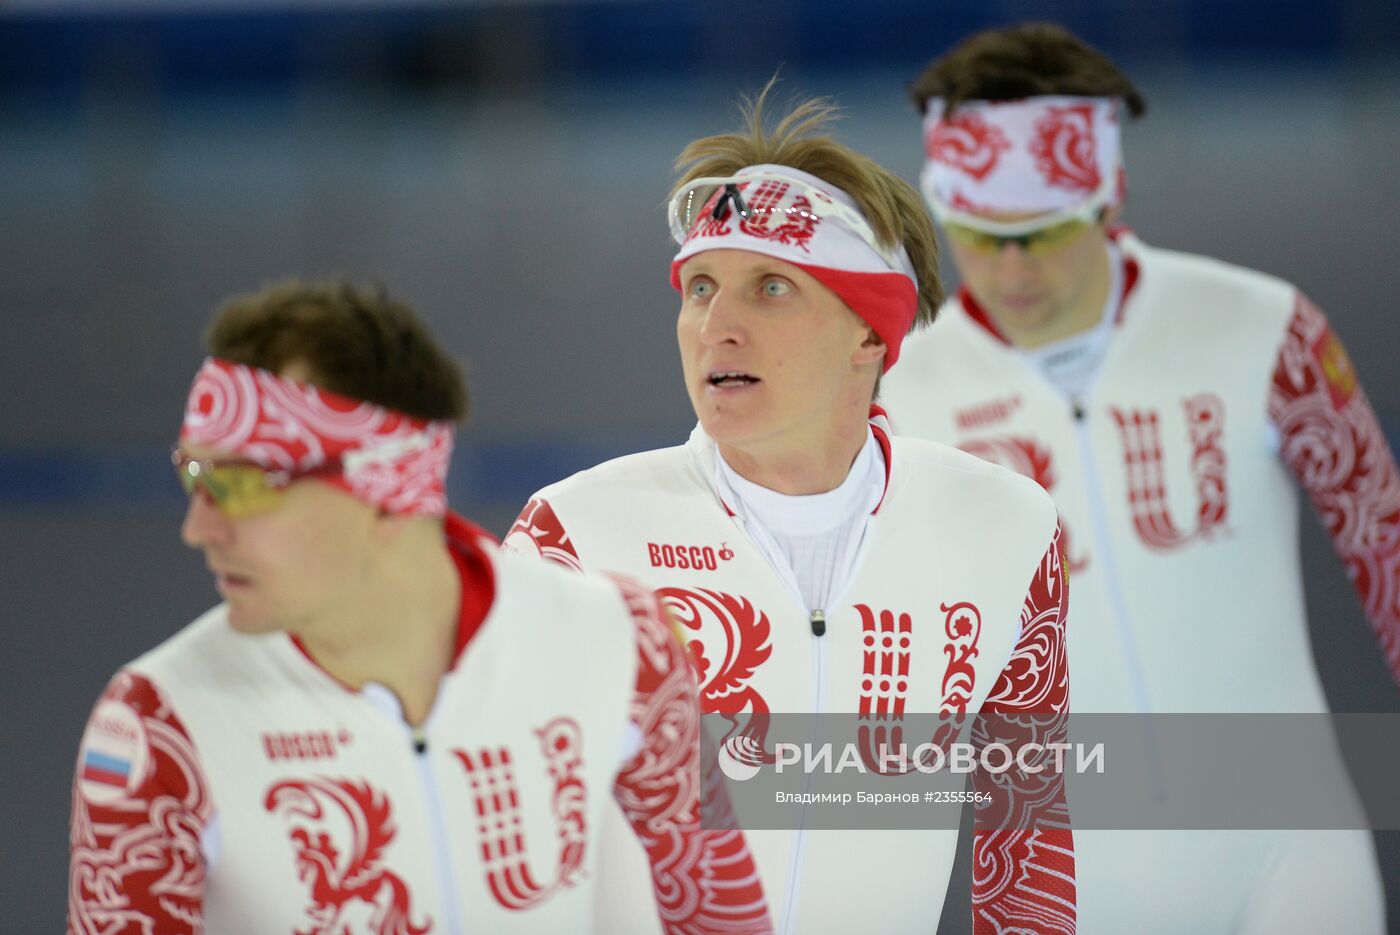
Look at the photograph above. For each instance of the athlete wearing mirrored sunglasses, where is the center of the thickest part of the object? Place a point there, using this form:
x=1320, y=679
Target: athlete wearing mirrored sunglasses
x=790, y=535
x=367, y=735
x=1163, y=399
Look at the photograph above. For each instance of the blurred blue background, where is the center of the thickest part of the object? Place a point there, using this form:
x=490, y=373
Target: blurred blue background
x=502, y=166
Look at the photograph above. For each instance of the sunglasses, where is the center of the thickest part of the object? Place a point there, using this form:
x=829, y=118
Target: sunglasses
x=1034, y=243
x=715, y=197
x=239, y=488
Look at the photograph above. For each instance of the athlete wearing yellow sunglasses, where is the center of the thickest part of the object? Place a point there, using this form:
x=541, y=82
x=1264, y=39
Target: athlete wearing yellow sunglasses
x=239, y=488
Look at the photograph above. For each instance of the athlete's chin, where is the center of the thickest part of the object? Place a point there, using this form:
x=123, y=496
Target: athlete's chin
x=730, y=426
x=1025, y=313
x=251, y=621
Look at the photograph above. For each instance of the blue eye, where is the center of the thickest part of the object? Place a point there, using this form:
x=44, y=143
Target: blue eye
x=701, y=288
x=776, y=287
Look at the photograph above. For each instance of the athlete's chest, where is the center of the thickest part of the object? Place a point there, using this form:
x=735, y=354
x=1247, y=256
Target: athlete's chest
x=921, y=622
x=337, y=813
x=1162, y=449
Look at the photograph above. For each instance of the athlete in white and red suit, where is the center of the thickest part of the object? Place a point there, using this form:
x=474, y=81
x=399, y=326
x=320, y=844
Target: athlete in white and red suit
x=365, y=737
x=1166, y=401
x=791, y=535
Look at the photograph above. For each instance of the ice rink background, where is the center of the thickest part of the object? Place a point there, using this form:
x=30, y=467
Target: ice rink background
x=503, y=168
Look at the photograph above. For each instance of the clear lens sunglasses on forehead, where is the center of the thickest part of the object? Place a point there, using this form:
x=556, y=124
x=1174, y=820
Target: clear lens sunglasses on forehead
x=712, y=198
x=239, y=488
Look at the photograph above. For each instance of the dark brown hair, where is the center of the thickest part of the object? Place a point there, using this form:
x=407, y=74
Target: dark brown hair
x=894, y=209
x=1026, y=60
x=356, y=342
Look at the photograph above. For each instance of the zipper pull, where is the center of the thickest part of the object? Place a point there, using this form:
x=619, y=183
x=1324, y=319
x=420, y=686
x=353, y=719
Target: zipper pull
x=1078, y=410
x=818, y=623
x=420, y=741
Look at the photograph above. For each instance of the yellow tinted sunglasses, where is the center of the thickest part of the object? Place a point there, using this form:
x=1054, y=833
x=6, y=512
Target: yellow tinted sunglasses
x=1035, y=243
x=238, y=488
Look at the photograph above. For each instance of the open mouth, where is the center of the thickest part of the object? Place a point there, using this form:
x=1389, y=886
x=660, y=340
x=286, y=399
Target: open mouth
x=729, y=379
x=228, y=579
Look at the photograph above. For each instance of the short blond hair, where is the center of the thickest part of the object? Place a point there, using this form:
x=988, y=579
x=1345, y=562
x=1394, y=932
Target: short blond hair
x=801, y=140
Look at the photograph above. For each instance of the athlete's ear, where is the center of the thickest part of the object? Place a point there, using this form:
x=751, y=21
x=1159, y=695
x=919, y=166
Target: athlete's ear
x=871, y=350
x=1109, y=216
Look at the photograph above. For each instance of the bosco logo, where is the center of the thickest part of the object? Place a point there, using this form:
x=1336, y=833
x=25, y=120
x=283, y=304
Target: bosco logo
x=696, y=557
x=304, y=745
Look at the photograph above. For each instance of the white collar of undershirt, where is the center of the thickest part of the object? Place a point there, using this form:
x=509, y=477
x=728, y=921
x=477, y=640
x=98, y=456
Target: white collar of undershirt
x=808, y=514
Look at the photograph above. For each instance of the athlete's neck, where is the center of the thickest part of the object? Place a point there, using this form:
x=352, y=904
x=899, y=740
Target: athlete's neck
x=399, y=627
x=812, y=469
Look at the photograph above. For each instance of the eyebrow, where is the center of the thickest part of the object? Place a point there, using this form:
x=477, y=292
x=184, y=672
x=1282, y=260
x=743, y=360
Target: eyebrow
x=762, y=264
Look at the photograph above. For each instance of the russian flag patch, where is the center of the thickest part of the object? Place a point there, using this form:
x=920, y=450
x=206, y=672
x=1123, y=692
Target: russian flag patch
x=105, y=768
x=114, y=756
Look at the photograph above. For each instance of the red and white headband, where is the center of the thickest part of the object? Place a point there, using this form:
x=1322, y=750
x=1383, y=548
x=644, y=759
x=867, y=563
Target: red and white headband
x=796, y=217
x=1054, y=157
x=389, y=460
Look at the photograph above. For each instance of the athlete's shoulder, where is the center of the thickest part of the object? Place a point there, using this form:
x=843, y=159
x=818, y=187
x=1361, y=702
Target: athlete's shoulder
x=935, y=459
x=525, y=576
x=585, y=617
x=966, y=478
x=208, y=654
x=202, y=638
x=1194, y=275
x=659, y=470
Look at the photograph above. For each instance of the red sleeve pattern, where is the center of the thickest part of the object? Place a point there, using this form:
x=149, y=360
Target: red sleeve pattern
x=537, y=531
x=140, y=804
x=705, y=881
x=1023, y=851
x=1331, y=441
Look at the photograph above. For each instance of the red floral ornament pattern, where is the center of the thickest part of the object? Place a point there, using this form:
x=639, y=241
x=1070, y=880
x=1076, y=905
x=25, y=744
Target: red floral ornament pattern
x=705, y=881
x=967, y=143
x=537, y=531
x=1023, y=869
x=738, y=636
x=1065, y=150
x=343, y=872
x=140, y=804
x=1334, y=445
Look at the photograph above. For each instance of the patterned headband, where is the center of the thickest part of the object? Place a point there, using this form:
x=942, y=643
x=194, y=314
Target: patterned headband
x=1056, y=156
x=800, y=219
x=389, y=460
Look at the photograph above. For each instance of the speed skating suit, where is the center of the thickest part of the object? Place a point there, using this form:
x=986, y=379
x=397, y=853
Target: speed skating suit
x=227, y=784
x=1174, y=478
x=956, y=604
